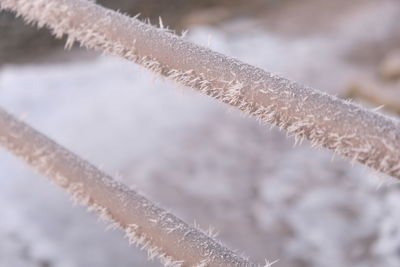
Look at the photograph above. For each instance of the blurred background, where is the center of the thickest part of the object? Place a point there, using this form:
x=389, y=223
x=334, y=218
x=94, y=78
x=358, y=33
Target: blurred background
x=197, y=157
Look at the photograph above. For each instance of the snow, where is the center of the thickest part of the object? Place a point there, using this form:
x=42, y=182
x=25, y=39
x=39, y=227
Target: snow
x=197, y=158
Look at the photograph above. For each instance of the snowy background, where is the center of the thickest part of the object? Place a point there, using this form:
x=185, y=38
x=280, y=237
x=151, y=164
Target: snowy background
x=201, y=159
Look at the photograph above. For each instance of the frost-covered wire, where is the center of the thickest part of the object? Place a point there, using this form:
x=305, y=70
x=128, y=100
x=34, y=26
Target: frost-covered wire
x=150, y=227
x=347, y=129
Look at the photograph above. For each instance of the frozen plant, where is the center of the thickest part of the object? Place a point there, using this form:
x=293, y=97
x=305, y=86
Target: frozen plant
x=349, y=130
x=148, y=226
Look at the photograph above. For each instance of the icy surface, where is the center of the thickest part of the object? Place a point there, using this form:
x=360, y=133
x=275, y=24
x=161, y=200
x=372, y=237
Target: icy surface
x=196, y=158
